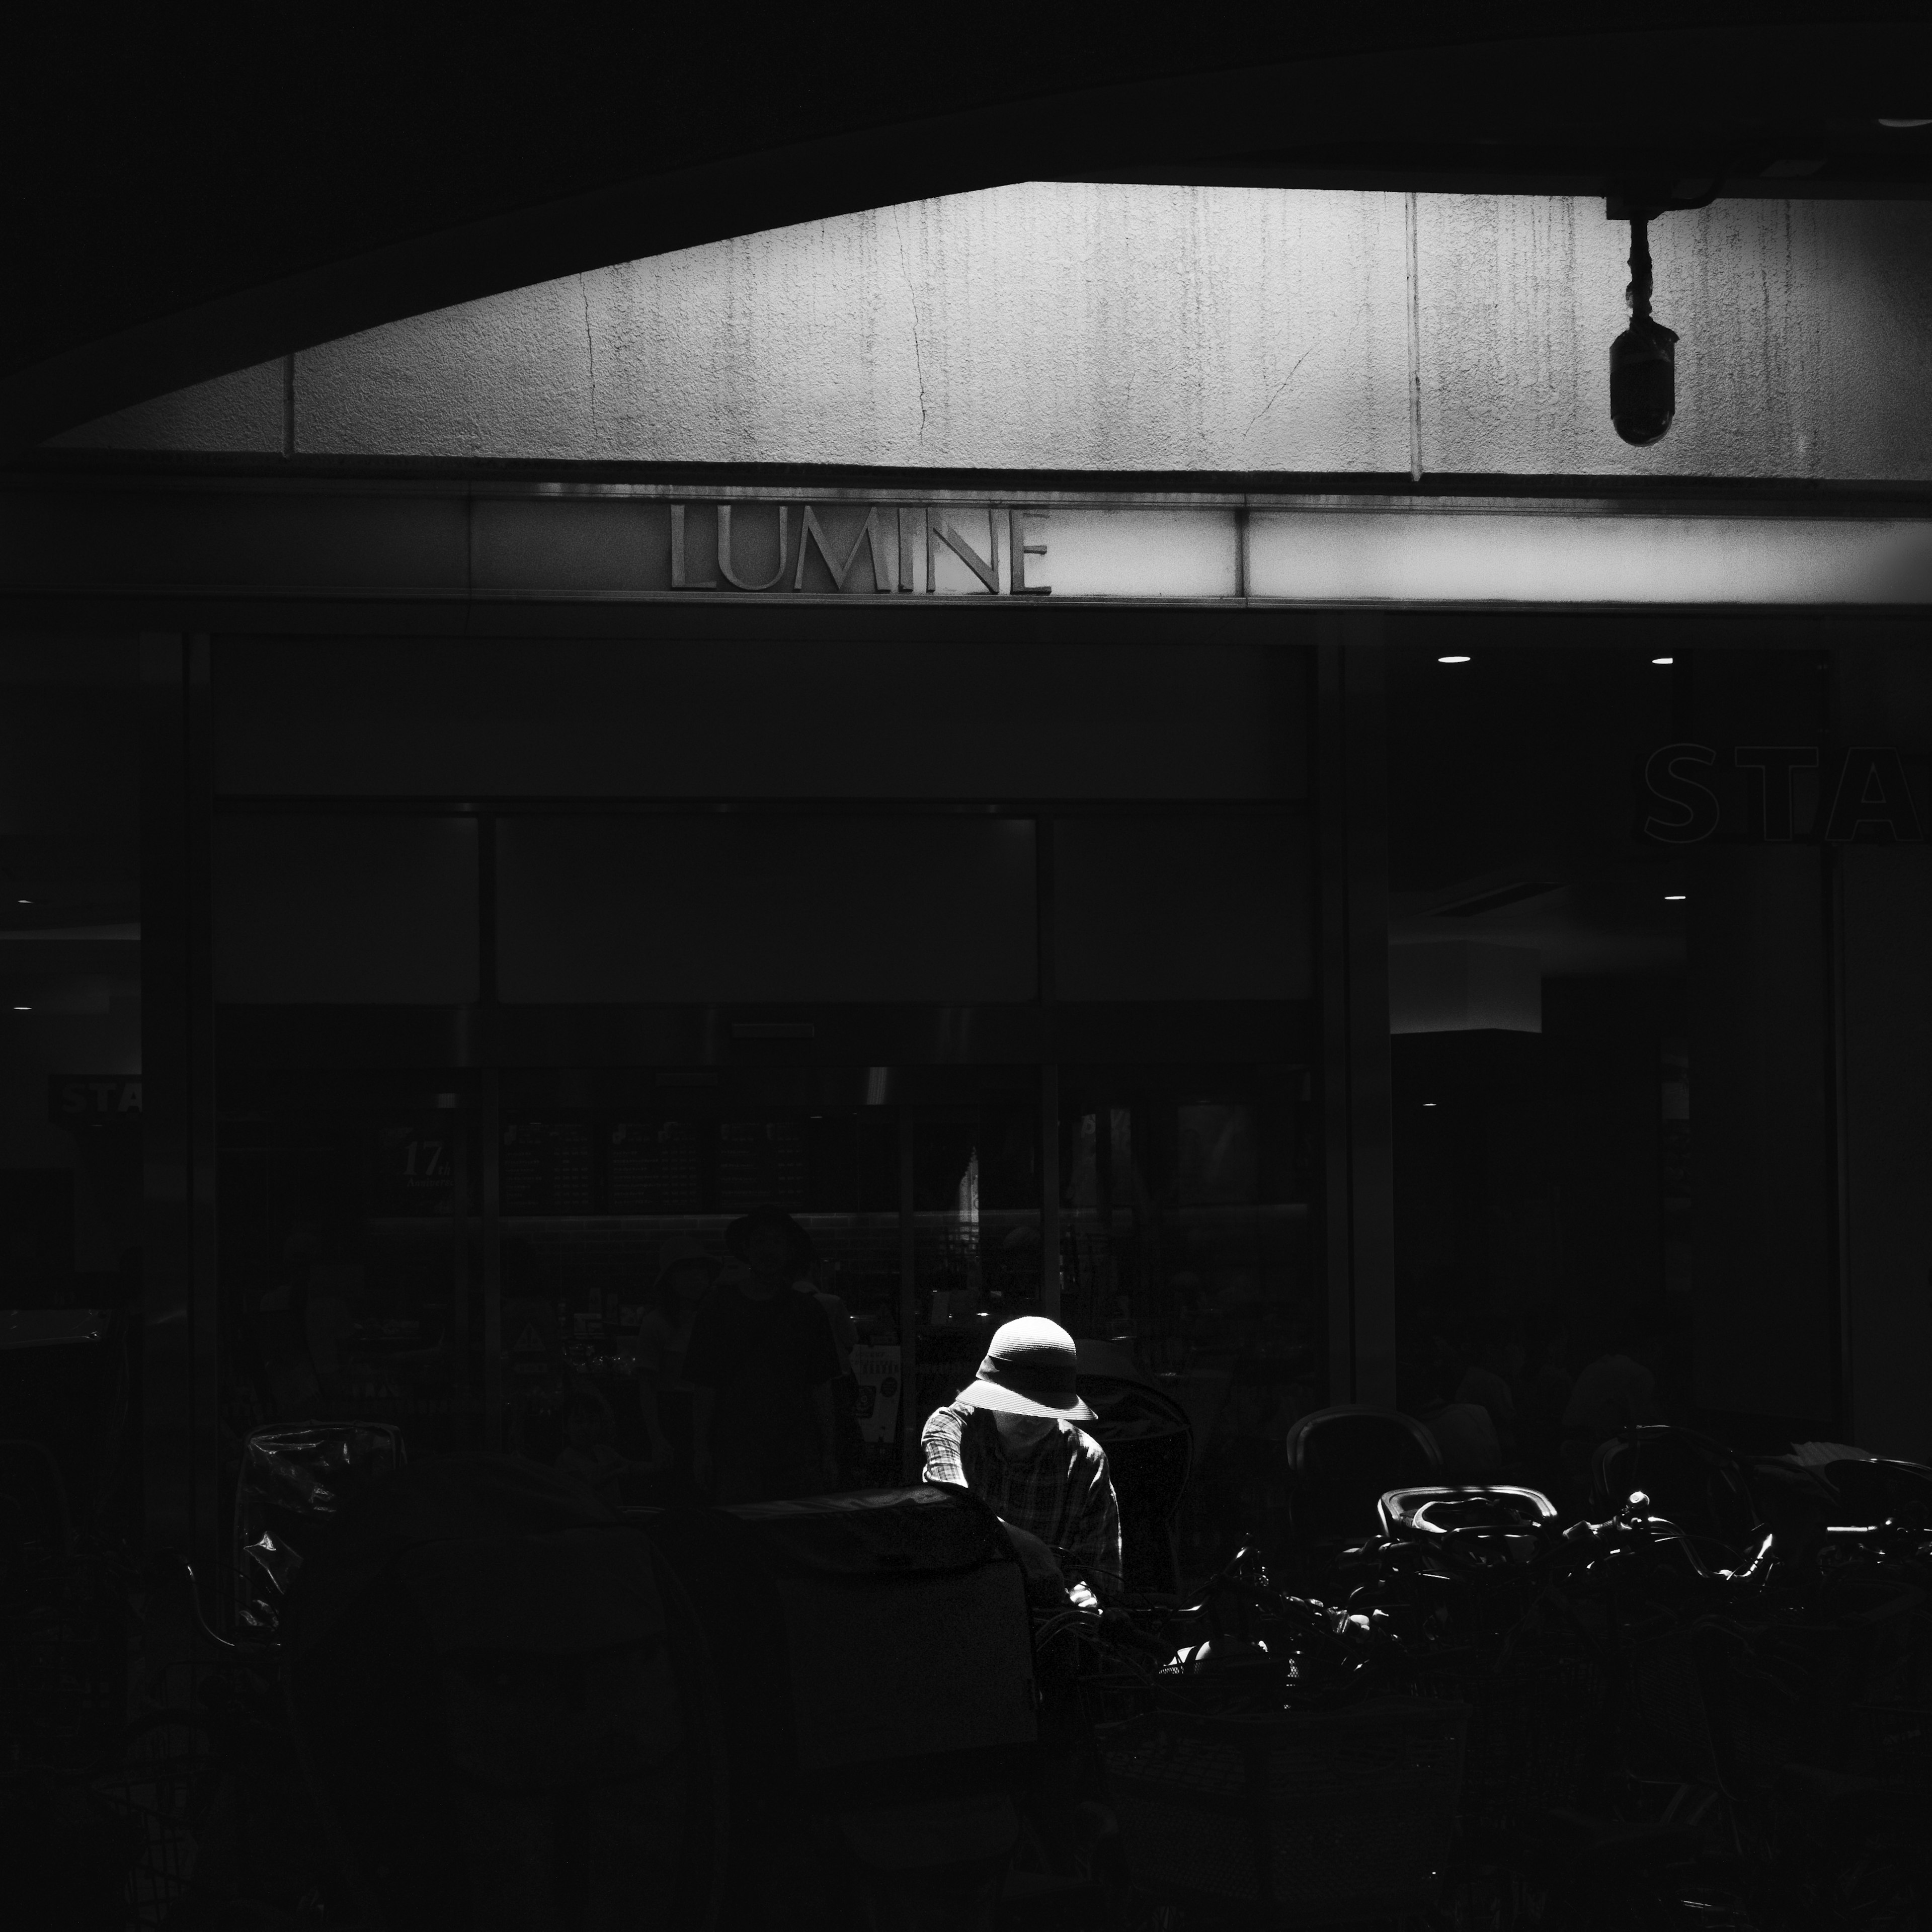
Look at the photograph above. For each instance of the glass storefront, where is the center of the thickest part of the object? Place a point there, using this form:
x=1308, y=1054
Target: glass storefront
x=70, y=1088
x=1000, y=1060
x=490, y=1049
x=1619, y=854
x=493, y=1055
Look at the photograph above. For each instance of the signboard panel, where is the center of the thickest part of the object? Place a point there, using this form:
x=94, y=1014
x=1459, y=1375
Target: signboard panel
x=1405, y=551
x=598, y=543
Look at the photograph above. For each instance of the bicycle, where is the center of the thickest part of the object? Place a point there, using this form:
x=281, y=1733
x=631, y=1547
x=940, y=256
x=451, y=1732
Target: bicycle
x=210, y=1797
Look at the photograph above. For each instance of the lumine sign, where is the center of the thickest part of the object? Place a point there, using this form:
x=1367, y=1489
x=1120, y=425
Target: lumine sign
x=889, y=550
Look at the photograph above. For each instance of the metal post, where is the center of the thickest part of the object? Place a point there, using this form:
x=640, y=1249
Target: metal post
x=1049, y=1072
x=1049, y=1189
x=490, y=1131
x=1357, y=1110
x=179, y=1402
x=490, y=1126
x=909, y=1456
x=462, y=1391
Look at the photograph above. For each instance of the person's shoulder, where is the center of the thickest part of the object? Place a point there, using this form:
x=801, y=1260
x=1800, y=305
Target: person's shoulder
x=1081, y=1446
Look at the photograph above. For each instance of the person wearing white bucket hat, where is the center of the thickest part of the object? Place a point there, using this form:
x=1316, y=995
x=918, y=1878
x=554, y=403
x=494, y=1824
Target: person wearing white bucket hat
x=1012, y=1437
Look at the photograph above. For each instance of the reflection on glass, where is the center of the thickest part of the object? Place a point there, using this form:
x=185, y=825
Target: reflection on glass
x=1185, y=1242
x=976, y=1233
x=350, y=1267
x=617, y=1222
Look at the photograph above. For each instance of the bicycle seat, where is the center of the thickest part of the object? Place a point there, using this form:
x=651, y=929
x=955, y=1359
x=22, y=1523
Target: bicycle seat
x=1496, y=1525
x=1444, y=1508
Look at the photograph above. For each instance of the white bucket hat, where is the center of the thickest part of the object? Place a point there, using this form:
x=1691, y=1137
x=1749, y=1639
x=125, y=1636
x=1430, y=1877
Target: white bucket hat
x=1029, y=1370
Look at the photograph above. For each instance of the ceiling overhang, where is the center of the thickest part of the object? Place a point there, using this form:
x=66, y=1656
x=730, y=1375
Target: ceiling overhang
x=167, y=264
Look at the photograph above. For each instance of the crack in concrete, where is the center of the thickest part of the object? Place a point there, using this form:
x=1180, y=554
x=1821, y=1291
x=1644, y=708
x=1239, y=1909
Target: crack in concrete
x=1275, y=395
x=590, y=355
x=912, y=303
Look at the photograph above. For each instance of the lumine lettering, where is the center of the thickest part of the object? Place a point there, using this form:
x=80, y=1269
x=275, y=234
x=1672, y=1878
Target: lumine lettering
x=879, y=553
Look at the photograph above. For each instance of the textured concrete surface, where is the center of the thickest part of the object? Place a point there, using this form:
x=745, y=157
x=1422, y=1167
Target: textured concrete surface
x=1069, y=327
x=241, y=413
x=1039, y=326
x=1805, y=348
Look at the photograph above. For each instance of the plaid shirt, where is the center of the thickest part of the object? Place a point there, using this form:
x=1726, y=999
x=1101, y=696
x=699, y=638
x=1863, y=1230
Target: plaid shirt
x=1061, y=1492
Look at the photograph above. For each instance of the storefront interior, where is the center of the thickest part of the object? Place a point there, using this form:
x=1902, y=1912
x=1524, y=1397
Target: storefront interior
x=1043, y=1032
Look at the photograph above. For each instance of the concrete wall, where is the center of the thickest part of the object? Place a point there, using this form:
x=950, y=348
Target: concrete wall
x=1061, y=326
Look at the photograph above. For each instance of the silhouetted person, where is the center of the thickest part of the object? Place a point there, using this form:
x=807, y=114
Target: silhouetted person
x=1492, y=1354
x=1619, y=1389
x=686, y=1271
x=589, y=1456
x=1616, y=1391
x=761, y=1364
x=845, y=1438
x=1543, y=1394
x=1464, y=1433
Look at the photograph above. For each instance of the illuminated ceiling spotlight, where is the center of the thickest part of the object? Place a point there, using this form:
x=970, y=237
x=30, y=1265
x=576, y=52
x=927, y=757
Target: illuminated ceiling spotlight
x=1643, y=359
x=1674, y=895
x=1663, y=660
x=1452, y=659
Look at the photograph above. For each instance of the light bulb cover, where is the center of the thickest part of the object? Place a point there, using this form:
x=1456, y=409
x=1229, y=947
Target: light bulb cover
x=1643, y=381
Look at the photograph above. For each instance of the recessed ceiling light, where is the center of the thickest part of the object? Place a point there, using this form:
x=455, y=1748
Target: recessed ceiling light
x=1674, y=895
x=1884, y=123
x=1429, y=1103
x=23, y=1010
x=26, y=902
x=1452, y=660
x=1663, y=660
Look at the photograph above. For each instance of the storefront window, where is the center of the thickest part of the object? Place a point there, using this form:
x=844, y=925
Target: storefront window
x=604, y=1195
x=71, y=1087
x=350, y=1268
x=994, y=1058
x=1185, y=1243
x=1610, y=1006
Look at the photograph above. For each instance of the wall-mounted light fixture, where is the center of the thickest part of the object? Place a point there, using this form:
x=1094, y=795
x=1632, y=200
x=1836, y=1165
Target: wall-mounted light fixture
x=1643, y=359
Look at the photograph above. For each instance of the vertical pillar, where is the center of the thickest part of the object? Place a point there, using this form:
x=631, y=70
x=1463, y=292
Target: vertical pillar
x=179, y=1421
x=1881, y=903
x=1884, y=934
x=911, y=1460
x=1351, y=801
x=489, y=1127
x=462, y=1391
x=1761, y=1265
x=1049, y=1074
